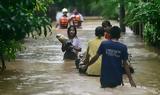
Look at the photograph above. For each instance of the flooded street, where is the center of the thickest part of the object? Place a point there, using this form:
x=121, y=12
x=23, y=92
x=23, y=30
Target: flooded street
x=40, y=69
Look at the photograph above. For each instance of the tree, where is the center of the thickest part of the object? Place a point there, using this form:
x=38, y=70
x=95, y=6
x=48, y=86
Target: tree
x=122, y=15
x=18, y=19
x=147, y=12
x=82, y=5
x=112, y=9
x=107, y=8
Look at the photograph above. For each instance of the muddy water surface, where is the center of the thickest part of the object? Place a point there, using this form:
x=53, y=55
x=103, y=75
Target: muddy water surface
x=40, y=69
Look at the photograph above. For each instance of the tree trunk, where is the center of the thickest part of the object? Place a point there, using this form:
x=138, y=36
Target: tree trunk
x=122, y=16
x=3, y=62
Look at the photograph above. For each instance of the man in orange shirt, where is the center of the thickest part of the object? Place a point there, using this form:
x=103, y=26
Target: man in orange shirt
x=62, y=22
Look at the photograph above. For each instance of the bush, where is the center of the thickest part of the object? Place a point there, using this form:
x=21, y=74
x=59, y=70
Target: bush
x=19, y=18
x=152, y=35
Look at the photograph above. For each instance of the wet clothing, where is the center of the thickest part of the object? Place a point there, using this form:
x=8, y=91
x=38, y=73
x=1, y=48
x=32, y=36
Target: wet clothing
x=63, y=22
x=113, y=53
x=71, y=53
x=93, y=46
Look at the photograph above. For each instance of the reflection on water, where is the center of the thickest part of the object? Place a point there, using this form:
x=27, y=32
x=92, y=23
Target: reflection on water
x=40, y=69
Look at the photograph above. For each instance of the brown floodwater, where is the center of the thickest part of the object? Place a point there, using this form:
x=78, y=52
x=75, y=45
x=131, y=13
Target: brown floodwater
x=40, y=69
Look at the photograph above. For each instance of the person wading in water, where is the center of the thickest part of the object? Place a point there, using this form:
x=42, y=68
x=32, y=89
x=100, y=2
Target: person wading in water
x=76, y=19
x=114, y=56
x=94, y=69
x=73, y=46
x=63, y=21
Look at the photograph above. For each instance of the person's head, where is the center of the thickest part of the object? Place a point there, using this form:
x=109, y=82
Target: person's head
x=75, y=11
x=72, y=32
x=99, y=32
x=106, y=23
x=115, y=32
x=64, y=11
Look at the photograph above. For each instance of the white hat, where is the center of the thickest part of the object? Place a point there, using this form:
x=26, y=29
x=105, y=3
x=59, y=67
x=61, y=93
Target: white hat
x=64, y=10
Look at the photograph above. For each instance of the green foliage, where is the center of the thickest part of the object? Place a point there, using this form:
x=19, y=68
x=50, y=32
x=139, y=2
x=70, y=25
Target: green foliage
x=81, y=5
x=144, y=12
x=9, y=48
x=149, y=14
x=107, y=8
x=152, y=35
x=19, y=18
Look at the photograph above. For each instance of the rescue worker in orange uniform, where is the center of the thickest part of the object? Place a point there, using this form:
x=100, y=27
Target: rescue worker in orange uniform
x=76, y=19
x=63, y=21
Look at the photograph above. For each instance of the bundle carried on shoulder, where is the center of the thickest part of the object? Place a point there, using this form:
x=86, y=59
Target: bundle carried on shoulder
x=65, y=42
x=63, y=39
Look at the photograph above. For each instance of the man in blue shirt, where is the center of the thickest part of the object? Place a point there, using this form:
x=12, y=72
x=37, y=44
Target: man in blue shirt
x=114, y=55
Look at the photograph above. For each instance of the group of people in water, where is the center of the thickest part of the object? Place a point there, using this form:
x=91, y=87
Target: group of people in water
x=105, y=55
x=66, y=19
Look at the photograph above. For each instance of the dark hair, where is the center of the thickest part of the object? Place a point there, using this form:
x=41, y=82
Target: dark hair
x=69, y=29
x=106, y=23
x=99, y=32
x=115, y=32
